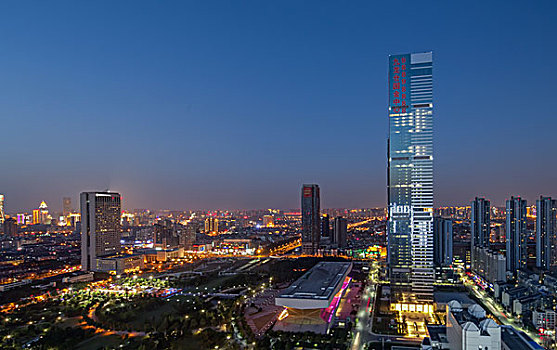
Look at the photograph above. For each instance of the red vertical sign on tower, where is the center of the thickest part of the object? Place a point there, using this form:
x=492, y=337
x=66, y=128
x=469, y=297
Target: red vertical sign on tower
x=398, y=84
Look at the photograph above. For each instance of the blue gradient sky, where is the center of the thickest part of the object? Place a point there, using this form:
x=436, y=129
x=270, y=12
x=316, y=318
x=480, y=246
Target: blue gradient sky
x=235, y=104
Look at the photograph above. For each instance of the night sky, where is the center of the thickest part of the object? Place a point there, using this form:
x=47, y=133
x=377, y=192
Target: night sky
x=235, y=104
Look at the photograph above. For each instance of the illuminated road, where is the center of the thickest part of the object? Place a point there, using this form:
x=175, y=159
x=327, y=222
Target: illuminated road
x=363, y=320
x=498, y=311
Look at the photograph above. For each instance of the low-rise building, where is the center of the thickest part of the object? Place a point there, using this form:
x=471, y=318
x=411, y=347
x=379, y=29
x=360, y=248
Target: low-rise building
x=117, y=264
x=469, y=329
x=76, y=277
x=544, y=319
x=508, y=296
x=162, y=255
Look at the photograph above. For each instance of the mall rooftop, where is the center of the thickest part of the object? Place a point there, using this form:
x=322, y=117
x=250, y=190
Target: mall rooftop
x=316, y=288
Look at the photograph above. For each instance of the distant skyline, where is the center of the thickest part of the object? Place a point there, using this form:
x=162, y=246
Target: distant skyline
x=229, y=105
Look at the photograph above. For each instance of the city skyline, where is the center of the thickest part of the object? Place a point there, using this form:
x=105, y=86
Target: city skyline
x=212, y=120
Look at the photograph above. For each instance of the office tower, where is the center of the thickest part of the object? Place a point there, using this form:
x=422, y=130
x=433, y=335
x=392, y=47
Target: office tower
x=10, y=227
x=340, y=231
x=480, y=222
x=442, y=241
x=44, y=216
x=2, y=215
x=517, y=253
x=311, y=223
x=546, y=231
x=211, y=225
x=100, y=227
x=66, y=206
x=268, y=221
x=325, y=226
x=410, y=176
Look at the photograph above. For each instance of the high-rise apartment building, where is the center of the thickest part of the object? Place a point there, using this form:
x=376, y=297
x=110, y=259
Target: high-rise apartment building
x=517, y=252
x=2, y=215
x=480, y=222
x=443, y=241
x=100, y=227
x=311, y=220
x=325, y=226
x=66, y=206
x=340, y=231
x=410, y=176
x=546, y=233
x=480, y=228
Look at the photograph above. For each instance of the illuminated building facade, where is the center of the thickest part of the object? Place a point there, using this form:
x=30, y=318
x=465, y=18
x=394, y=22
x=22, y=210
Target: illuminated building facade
x=211, y=225
x=314, y=297
x=517, y=253
x=410, y=176
x=546, y=232
x=311, y=220
x=100, y=227
x=268, y=221
x=2, y=215
x=36, y=216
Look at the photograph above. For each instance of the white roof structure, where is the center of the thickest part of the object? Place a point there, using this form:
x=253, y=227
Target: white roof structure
x=316, y=288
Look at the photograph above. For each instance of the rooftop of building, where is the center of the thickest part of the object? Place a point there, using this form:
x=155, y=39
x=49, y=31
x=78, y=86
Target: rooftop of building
x=472, y=318
x=517, y=340
x=119, y=256
x=319, y=282
x=530, y=298
x=446, y=297
x=437, y=333
x=516, y=290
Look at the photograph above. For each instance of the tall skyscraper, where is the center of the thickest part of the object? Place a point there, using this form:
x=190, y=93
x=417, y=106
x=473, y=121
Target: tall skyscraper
x=100, y=227
x=66, y=206
x=410, y=176
x=443, y=241
x=546, y=233
x=480, y=228
x=2, y=215
x=517, y=253
x=480, y=222
x=340, y=231
x=311, y=220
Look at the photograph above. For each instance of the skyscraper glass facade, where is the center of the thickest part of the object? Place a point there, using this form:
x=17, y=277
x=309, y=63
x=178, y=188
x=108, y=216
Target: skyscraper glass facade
x=546, y=232
x=410, y=174
x=311, y=220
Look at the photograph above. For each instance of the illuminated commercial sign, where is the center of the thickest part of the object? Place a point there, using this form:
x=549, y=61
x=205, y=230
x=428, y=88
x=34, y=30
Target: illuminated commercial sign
x=398, y=83
x=307, y=192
